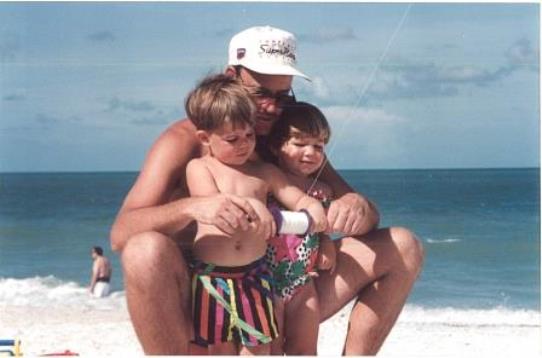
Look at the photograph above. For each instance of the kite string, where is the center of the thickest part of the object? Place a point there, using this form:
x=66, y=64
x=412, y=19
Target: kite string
x=362, y=94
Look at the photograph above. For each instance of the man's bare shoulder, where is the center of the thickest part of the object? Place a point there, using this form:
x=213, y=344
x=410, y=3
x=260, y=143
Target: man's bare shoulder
x=175, y=146
x=162, y=177
x=180, y=134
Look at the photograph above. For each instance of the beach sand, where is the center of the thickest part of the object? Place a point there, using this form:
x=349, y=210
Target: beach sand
x=417, y=336
x=95, y=332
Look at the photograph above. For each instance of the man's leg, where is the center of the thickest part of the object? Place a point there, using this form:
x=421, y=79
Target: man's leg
x=379, y=268
x=158, y=293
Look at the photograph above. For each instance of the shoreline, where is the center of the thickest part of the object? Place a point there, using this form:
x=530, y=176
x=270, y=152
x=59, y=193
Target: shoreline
x=99, y=332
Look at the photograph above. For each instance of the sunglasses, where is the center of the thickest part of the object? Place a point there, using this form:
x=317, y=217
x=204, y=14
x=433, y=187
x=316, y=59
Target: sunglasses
x=265, y=95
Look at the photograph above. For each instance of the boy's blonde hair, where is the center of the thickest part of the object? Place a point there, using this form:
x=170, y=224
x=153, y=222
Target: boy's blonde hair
x=219, y=99
x=299, y=119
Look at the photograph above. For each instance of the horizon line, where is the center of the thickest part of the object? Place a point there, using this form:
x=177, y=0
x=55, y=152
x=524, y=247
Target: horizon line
x=338, y=169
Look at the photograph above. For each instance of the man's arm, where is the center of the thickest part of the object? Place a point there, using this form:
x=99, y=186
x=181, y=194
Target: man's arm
x=350, y=213
x=94, y=276
x=147, y=206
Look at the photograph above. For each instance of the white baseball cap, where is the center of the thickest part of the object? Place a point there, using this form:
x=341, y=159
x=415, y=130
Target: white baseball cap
x=265, y=49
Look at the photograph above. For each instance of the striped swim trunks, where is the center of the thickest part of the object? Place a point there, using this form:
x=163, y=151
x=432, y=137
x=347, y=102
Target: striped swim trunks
x=233, y=304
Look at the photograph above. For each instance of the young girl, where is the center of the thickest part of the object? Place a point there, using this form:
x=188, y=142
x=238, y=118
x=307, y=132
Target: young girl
x=297, y=141
x=232, y=293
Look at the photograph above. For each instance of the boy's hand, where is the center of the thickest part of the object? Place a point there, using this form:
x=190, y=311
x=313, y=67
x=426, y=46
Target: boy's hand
x=227, y=212
x=327, y=255
x=265, y=226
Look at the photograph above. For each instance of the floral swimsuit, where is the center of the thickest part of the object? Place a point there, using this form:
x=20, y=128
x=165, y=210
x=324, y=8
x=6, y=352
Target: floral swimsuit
x=292, y=257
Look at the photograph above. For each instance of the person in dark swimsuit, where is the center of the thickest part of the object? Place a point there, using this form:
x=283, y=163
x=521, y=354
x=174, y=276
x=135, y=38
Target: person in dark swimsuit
x=101, y=273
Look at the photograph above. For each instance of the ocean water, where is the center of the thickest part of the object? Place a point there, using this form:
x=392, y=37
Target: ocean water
x=480, y=230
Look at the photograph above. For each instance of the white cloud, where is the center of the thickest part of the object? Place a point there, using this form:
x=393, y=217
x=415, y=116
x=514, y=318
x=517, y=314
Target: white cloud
x=522, y=53
x=386, y=81
x=342, y=114
x=364, y=137
x=460, y=74
x=329, y=34
x=9, y=47
x=318, y=88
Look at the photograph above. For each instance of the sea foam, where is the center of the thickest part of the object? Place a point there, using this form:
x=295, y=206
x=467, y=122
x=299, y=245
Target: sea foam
x=52, y=292
x=450, y=316
x=441, y=241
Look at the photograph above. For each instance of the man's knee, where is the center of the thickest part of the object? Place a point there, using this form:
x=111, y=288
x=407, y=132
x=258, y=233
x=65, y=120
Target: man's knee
x=146, y=252
x=410, y=248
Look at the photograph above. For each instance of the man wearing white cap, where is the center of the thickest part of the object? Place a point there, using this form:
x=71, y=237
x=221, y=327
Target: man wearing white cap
x=155, y=226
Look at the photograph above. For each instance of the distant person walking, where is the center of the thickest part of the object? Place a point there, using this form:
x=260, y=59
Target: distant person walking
x=101, y=273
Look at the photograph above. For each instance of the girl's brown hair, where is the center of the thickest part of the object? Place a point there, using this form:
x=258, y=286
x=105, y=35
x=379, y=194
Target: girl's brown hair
x=299, y=119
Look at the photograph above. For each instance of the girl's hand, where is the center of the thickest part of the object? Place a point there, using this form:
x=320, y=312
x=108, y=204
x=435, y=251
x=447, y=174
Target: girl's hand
x=318, y=216
x=327, y=255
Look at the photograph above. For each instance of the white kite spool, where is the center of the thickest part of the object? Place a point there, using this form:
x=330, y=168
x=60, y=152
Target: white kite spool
x=292, y=222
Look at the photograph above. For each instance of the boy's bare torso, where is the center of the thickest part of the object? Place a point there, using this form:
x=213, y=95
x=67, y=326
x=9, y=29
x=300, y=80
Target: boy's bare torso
x=214, y=246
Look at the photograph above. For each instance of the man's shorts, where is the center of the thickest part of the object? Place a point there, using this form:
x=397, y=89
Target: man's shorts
x=233, y=304
x=101, y=289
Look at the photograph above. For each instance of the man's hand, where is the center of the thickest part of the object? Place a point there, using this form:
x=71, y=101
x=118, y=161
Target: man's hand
x=351, y=214
x=227, y=212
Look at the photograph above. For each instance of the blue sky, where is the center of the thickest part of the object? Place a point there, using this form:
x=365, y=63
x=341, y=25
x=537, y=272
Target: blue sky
x=89, y=86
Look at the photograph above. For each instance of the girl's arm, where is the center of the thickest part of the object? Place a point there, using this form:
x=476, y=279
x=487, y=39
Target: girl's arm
x=294, y=199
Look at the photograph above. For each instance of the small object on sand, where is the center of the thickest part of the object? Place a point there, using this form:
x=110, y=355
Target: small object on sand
x=67, y=352
x=15, y=351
